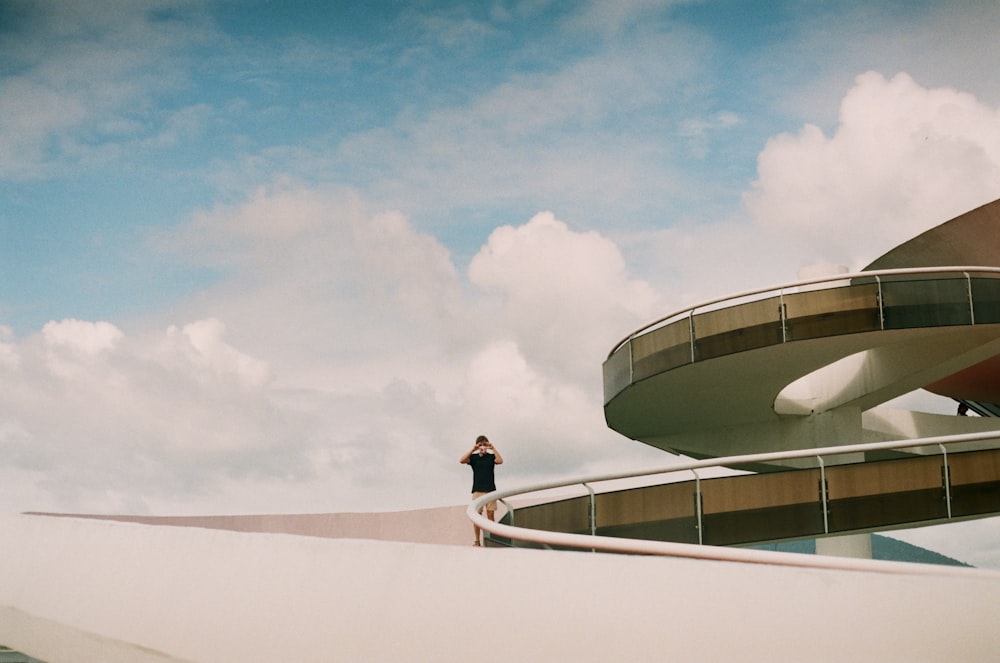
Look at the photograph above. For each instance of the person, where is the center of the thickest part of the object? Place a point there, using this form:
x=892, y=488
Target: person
x=963, y=410
x=483, y=458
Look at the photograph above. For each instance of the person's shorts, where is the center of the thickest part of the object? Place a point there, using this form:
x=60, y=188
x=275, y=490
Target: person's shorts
x=490, y=506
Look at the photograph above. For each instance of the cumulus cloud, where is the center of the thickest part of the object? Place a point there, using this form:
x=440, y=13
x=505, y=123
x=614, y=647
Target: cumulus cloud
x=902, y=159
x=566, y=296
x=341, y=349
x=200, y=344
x=9, y=357
x=311, y=276
x=100, y=411
x=87, y=338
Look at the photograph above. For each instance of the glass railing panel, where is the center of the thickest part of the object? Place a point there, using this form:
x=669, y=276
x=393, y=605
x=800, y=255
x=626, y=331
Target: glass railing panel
x=569, y=515
x=867, y=495
x=975, y=482
x=986, y=300
x=738, y=328
x=661, y=349
x=925, y=302
x=760, y=507
x=617, y=372
x=818, y=313
x=665, y=512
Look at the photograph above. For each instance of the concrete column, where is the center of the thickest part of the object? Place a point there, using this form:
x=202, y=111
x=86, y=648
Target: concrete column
x=849, y=545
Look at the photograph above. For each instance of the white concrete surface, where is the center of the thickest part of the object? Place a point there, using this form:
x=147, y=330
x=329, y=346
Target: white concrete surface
x=103, y=590
x=447, y=525
x=858, y=546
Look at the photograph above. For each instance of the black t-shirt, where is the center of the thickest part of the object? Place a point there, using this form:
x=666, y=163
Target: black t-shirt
x=482, y=473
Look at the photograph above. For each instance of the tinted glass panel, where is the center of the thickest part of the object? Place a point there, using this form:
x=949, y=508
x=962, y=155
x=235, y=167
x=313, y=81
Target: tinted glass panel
x=926, y=303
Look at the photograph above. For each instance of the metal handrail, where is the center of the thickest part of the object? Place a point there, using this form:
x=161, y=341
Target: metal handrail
x=877, y=274
x=708, y=552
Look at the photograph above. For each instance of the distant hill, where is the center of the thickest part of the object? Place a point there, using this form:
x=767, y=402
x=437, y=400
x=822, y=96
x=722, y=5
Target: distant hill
x=888, y=548
x=883, y=547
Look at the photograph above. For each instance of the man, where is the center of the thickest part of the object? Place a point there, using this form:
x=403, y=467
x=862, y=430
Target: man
x=483, y=458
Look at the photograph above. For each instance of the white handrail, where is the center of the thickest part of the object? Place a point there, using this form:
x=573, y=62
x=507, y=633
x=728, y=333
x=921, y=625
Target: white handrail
x=719, y=553
x=796, y=284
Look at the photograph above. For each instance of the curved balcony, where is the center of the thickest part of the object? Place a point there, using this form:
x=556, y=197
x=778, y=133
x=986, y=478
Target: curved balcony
x=729, y=360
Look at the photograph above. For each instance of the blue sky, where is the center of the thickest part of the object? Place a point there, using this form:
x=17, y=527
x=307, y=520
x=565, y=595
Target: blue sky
x=291, y=256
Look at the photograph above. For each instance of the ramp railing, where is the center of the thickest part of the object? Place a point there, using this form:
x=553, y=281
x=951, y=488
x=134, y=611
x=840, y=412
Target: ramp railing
x=945, y=448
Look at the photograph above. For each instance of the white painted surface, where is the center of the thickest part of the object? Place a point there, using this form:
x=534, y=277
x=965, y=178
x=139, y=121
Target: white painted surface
x=858, y=546
x=178, y=593
x=437, y=525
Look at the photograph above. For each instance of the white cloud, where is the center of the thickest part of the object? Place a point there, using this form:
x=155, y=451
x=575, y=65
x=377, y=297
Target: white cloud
x=312, y=277
x=82, y=337
x=593, y=131
x=697, y=131
x=73, y=345
x=86, y=74
x=565, y=296
x=903, y=159
x=341, y=356
x=9, y=357
x=201, y=345
x=103, y=413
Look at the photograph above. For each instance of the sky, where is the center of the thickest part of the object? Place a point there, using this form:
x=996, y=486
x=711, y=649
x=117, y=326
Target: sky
x=295, y=256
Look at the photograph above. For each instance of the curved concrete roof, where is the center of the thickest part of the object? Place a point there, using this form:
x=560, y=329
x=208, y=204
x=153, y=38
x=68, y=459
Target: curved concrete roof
x=972, y=238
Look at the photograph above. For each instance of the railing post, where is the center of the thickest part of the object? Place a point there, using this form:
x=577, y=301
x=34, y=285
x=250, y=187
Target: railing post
x=947, y=479
x=592, y=515
x=823, y=495
x=691, y=332
x=631, y=363
x=878, y=294
x=972, y=306
x=784, y=316
x=698, y=506
x=510, y=512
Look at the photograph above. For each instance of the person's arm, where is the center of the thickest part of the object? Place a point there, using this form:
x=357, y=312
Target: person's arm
x=497, y=458
x=468, y=454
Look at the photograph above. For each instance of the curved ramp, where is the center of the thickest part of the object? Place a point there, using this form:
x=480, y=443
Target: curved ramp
x=748, y=509
x=86, y=591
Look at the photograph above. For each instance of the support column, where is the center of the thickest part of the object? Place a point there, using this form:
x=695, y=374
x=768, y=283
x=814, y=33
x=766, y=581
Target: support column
x=849, y=545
